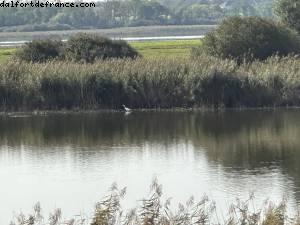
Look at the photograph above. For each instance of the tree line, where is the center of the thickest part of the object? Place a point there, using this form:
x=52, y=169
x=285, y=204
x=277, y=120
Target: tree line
x=119, y=13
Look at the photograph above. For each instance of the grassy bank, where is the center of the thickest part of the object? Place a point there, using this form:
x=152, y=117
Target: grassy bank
x=5, y=53
x=168, y=48
x=149, y=83
x=153, y=210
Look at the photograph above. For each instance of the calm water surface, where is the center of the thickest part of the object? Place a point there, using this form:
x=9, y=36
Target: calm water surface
x=70, y=160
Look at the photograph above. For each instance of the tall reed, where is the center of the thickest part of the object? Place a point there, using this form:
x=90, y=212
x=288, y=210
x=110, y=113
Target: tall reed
x=150, y=83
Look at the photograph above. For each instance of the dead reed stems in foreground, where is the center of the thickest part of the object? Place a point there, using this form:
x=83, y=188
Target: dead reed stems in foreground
x=153, y=211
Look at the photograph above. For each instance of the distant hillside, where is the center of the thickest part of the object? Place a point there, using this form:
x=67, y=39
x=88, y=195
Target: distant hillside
x=230, y=7
x=130, y=13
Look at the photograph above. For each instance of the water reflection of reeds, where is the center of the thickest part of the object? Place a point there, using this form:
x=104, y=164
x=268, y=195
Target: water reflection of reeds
x=239, y=141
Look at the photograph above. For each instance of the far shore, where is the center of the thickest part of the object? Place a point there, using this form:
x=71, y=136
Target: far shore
x=122, y=32
x=141, y=110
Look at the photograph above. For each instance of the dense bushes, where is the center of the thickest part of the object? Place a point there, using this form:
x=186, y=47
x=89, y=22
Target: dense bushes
x=79, y=48
x=88, y=47
x=289, y=13
x=249, y=39
x=40, y=51
x=150, y=83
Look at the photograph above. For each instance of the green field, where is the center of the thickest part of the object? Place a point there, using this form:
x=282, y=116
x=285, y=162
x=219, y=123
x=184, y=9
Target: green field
x=165, y=48
x=5, y=53
x=180, y=48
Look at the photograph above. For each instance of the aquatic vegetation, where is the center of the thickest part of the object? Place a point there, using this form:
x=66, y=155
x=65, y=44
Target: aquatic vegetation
x=155, y=211
x=149, y=83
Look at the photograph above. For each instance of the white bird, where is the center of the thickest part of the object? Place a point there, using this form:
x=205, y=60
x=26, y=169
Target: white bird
x=126, y=109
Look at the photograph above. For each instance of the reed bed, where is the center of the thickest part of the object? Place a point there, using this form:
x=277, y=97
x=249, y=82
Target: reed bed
x=149, y=83
x=153, y=210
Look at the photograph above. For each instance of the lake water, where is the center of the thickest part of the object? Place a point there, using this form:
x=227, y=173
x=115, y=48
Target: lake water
x=70, y=160
x=156, y=38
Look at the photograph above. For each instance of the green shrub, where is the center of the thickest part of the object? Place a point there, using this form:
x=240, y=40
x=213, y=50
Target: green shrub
x=249, y=39
x=89, y=47
x=40, y=51
x=289, y=13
